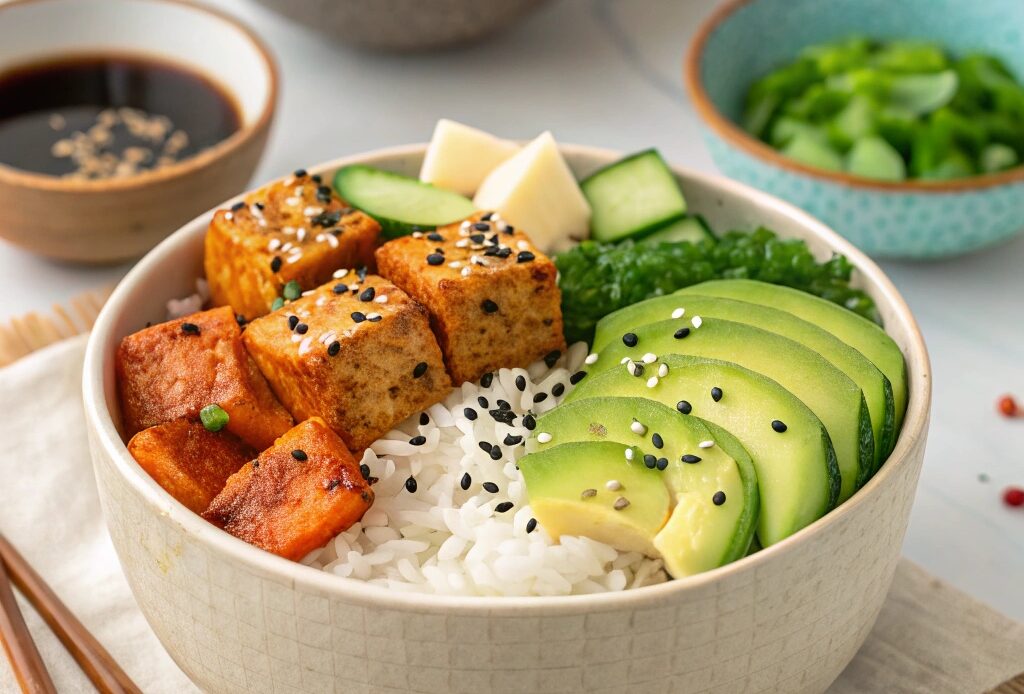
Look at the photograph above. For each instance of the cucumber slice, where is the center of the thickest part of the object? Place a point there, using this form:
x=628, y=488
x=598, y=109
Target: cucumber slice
x=998, y=157
x=632, y=197
x=690, y=228
x=924, y=93
x=873, y=157
x=809, y=150
x=399, y=203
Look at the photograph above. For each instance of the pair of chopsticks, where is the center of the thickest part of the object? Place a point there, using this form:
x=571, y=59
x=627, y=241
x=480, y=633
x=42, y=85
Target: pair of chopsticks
x=29, y=669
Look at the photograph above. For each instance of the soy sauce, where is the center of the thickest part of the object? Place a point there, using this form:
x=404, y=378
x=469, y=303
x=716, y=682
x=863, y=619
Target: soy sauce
x=108, y=116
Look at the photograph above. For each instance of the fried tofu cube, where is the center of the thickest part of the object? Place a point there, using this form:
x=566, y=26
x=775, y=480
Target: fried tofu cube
x=357, y=352
x=296, y=496
x=173, y=370
x=492, y=296
x=292, y=230
x=189, y=462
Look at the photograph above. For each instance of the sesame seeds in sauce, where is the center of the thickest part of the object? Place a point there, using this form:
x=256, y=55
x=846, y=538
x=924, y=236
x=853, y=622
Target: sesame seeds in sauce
x=779, y=426
x=189, y=328
x=300, y=455
x=419, y=369
x=718, y=499
x=716, y=394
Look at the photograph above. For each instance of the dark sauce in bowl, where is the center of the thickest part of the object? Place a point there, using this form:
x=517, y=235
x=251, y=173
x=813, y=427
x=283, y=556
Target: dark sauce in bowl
x=101, y=116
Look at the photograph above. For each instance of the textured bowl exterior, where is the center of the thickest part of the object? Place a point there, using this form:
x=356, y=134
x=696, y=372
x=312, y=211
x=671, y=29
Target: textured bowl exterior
x=237, y=619
x=405, y=25
x=890, y=221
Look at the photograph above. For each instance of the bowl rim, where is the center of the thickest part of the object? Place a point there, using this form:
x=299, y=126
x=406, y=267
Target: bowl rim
x=738, y=137
x=105, y=435
x=230, y=145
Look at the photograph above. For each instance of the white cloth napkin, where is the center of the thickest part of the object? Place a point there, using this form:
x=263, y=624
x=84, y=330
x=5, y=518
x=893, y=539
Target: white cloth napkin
x=49, y=510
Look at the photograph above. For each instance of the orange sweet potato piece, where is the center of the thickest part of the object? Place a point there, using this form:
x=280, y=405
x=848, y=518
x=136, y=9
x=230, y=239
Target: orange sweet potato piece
x=493, y=301
x=174, y=369
x=188, y=461
x=296, y=496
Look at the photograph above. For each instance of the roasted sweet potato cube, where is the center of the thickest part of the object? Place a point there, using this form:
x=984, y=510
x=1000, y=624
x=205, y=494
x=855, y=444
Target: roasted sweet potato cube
x=357, y=352
x=492, y=296
x=188, y=461
x=295, y=229
x=173, y=370
x=296, y=496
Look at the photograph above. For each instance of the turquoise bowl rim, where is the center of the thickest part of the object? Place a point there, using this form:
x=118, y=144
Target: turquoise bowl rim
x=734, y=135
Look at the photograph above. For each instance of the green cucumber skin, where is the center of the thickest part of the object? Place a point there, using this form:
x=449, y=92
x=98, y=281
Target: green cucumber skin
x=665, y=234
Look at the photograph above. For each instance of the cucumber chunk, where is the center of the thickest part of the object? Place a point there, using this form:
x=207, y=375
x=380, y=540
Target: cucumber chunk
x=690, y=228
x=399, y=203
x=633, y=197
x=873, y=157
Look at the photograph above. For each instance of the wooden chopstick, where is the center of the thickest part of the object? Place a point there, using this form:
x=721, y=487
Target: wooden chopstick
x=27, y=664
x=98, y=665
x=1010, y=686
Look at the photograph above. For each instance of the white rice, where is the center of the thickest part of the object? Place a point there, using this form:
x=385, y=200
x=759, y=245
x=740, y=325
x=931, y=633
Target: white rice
x=444, y=540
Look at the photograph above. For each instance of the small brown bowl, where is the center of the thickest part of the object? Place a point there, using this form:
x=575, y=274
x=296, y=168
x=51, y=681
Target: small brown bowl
x=102, y=221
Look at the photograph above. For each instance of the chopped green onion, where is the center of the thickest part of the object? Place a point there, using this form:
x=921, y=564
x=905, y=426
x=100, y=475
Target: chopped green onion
x=292, y=290
x=278, y=303
x=213, y=417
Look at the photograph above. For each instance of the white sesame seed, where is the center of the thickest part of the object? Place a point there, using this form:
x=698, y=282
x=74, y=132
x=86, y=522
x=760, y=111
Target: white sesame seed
x=373, y=316
x=638, y=428
x=306, y=345
x=294, y=257
x=296, y=337
x=380, y=299
x=229, y=216
x=293, y=201
x=678, y=313
x=613, y=485
x=652, y=381
x=312, y=211
x=308, y=292
x=287, y=247
x=462, y=243
x=696, y=321
x=455, y=265
x=338, y=274
x=301, y=235
x=332, y=240
x=263, y=222
x=663, y=371
x=649, y=358
x=625, y=360
x=465, y=272
x=705, y=444
x=417, y=234
x=591, y=359
x=522, y=245
x=321, y=301
x=274, y=245
x=629, y=454
x=543, y=437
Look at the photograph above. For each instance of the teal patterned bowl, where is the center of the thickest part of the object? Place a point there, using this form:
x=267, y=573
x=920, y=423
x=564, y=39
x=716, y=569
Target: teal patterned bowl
x=912, y=219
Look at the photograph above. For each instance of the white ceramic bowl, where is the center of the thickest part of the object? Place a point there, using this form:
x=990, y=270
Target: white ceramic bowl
x=238, y=619
x=115, y=219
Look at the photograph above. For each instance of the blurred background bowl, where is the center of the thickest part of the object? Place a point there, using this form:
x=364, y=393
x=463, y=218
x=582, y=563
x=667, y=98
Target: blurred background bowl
x=102, y=221
x=913, y=219
x=405, y=25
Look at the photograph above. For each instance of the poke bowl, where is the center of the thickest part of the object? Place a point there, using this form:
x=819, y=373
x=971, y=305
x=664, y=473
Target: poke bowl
x=788, y=617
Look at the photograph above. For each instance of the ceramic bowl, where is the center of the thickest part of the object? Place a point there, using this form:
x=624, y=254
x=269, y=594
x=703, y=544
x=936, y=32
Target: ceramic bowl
x=238, y=619
x=116, y=219
x=405, y=25
x=913, y=219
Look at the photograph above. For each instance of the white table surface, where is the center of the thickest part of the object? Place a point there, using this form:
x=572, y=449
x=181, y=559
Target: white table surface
x=607, y=72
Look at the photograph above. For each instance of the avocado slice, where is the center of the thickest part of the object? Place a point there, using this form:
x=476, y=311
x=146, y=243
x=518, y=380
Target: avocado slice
x=876, y=387
x=703, y=535
x=797, y=473
x=561, y=477
x=832, y=396
x=856, y=331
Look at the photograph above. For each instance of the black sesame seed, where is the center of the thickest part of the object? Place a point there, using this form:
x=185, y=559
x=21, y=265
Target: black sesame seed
x=240, y=319
x=503, y=405
x=368, y=294
x=489, y=306
x=301, y=328
x=551, y=358
x=681, y=333
x=779, y=426
x=259, y=205
x=630, y=339
x=417, y=440
x=275, y=263
x=339, y=289
x=482, y=226
x=718, y=499
x=190, y=328
x=292, y=322
x=332, y=485
x=334, y=348
x=511, y=440
x=317, y=178
x=300, y=173
x=503, y=252
x=558, y=389
x=525, y=257
x=531, y=525
x=577, y=377
x=364, y=470
x=662, y=463
x=465, y=481
x=716, y=393
x=504, y=506
x=521, y=383
x=300, y=455
x=482, y=402
x=435, y=259
x=503, y=416
x=495, y=453
x=650, y=461
x=434, y=236
x=487, y=217
x=540, y=397
x=419, y=369
x=486, y=379
x=509, y=229
x=326, y=219
x=470, y=413
x=690, y=458
x=529, y=422
x=375, y=318
x=476, y=238
x=358, y=316
x=237, y=206
x=410, y=485
x=361, y=273
x=424, y=419
x=486, y=446
x=657, y=440
x=323, y=193
x=684, y=407
x=490, y=487
x=638, y=370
